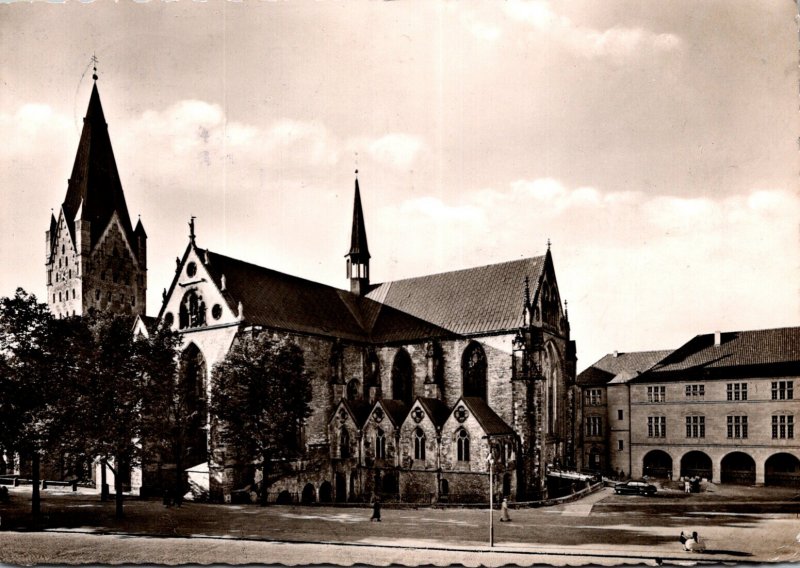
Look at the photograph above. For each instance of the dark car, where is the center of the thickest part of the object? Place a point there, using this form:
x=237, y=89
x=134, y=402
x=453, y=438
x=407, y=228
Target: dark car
x=635, y=488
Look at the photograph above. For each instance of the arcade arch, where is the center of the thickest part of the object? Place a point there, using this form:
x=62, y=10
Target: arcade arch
x=782, y=469
x=696, y=464
x=738, y=468
x=657, y=463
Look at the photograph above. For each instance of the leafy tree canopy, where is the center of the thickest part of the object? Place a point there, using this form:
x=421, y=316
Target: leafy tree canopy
x=260, y=393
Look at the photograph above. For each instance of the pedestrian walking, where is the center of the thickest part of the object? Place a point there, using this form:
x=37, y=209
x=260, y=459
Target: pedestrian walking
x=376, y=510
x=504, y=517
x=687, y=486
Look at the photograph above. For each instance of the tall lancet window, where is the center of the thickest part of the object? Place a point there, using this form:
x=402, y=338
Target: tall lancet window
x=473, y=366
x=403, y=377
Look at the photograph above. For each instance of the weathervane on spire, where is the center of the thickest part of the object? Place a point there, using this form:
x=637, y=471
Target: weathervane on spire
x=356, y=164
x=548, y=243
x=94, y=61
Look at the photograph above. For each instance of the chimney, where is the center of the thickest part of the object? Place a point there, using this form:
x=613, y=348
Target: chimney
x=717, y=338
x=616, y=353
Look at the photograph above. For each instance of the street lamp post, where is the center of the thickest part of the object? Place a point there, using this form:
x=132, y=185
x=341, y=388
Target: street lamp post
x=490, y=459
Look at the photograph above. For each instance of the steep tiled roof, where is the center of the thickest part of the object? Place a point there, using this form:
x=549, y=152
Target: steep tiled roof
x=395, y=409
x=274, y=299
x=612, y=365
x=491, y=423
x=741, y=349
x=94, y=189
x=359, y=409
x=435, y=409
x=472, y=301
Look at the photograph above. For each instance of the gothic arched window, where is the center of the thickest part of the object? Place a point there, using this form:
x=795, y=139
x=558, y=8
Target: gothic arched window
x=551, y=374
x=473, y=366
x=380, y=444
x=419, y=444
x=403, y=377
x=192, y=311
x=462, y=443
x=193, y=378
x=344, y=443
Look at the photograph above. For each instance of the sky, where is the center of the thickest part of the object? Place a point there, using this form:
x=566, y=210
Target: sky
x=655, y=144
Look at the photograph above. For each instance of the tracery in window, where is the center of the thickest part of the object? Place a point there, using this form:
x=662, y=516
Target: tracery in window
x=192, y=310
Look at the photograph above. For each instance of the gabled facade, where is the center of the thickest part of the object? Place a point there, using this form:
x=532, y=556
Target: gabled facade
x=495, y=338
x=95, y=258
x=721, y=407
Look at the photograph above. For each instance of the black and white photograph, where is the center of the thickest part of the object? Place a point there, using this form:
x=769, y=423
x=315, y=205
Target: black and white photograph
x=400, y=282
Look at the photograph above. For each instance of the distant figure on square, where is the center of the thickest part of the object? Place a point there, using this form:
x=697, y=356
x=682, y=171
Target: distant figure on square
x=504, y=517
x=376, y=510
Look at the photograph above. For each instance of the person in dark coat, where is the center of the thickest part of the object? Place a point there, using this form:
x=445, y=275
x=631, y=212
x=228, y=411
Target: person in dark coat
x=376, y=510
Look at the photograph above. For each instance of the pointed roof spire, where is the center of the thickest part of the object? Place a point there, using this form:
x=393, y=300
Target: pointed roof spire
x=358, y=237
x=94, y=189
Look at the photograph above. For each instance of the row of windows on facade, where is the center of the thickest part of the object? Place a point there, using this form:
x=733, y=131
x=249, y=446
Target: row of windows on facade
x=109, y=296
x=782, y=426
x=780, y=390
x=420, y=442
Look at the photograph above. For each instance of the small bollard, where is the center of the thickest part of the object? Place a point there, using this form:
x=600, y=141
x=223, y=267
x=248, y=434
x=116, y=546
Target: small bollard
x=74, y=485
x=16, y=482
x=44, y=484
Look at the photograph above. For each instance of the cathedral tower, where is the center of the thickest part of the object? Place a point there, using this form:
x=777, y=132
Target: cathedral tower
x=358, y=257
x=94, y=256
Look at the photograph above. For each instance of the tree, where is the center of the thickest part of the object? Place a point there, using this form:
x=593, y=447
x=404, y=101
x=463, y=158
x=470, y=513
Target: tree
x=260, y=395
x=168, y=412
x=116, y=392
x=42, y=362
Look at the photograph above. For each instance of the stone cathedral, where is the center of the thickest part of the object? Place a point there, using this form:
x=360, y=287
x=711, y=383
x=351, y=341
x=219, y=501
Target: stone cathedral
x=420, y=386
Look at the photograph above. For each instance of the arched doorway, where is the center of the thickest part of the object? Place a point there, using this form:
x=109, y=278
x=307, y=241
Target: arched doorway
x=507, y=485
x=782, y=470
x=325, y=492
x=696, y=464
x=341, y=488
x=403, y=377
x=738, y=468
x=473, y=368
x=657, y=463
x=309, y=496
x=284, y=498
x=352, y=486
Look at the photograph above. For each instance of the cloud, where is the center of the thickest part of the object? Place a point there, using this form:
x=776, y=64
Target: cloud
x=397, y=150
x=640, y=271
x=616, y=42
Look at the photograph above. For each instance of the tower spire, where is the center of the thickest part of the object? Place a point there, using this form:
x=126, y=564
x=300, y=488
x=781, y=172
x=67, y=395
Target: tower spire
x=358, y=257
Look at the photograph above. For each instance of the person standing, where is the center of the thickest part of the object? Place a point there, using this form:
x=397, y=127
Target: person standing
x=504, y=517
x=376, y=510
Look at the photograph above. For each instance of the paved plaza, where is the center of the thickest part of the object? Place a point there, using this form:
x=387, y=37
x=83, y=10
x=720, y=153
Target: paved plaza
x=737, y=525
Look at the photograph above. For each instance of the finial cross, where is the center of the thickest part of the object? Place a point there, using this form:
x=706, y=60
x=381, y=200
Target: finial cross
x=95, y=62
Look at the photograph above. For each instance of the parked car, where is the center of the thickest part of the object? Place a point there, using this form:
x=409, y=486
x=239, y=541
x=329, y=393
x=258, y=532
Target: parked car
x=635, y=488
